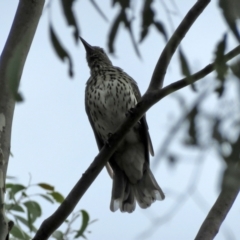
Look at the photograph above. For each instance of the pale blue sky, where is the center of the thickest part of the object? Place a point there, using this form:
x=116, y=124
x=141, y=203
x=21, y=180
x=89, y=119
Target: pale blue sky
x=53, y=140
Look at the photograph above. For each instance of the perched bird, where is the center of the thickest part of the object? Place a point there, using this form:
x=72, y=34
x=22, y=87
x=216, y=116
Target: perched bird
x=110, y=94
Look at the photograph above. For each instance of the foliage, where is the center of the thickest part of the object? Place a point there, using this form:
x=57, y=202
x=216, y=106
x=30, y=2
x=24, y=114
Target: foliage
x=223, y=126
x=24, y=209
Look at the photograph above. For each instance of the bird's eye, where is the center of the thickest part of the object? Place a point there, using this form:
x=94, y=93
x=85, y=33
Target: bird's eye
x=101, y=50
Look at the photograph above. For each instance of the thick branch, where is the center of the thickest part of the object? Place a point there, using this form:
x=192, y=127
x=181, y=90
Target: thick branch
x=173, y=43
x=148, y=100
x=57, y=218
x=11, y=64
x=218, y=213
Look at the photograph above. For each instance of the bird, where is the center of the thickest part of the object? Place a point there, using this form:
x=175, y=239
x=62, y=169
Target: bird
x=110, y=95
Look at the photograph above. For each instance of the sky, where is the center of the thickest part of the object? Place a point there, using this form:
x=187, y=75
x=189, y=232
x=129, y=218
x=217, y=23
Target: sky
x=52, y=139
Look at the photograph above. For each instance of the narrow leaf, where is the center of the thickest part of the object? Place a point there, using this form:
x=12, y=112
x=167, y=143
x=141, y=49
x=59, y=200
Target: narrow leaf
x=22, y=220
x=61, y=52
x=85, y=221
x=113, y=32
x=57, y=196
x=96, y=6
x=14, y=188
x=18, y=233
x=46, y=186
x=220, y=65
x=67, y=6
x=147, y=19
x=128, y=25
x=34, y=211
x=192, y=132
x=160, y=27
x=14, y=207
x=185, y=69
x=231, y=13
x=46, y=197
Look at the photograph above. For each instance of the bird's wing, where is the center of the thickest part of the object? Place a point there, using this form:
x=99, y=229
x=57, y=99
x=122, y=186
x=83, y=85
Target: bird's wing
x=143, y=119
x=99, y=141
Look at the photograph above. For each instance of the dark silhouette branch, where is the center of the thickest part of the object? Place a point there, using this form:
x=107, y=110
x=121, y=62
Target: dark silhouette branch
x=148, y=100
x=195, y=77
x=218, y=213
x=12, y=61
x=173, y=43
x=57, y=218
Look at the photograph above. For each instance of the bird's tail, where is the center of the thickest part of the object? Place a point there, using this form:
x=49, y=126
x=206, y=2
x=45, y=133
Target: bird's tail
x=124, y=194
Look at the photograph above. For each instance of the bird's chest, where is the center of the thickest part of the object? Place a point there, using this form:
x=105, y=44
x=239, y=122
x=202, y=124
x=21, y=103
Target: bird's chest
x=109, y=97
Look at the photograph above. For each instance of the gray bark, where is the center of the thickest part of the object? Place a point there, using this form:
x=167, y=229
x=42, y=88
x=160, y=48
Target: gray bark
x=12, y=62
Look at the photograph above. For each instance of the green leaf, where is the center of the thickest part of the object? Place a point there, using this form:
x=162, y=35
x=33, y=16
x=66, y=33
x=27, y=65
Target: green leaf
x=25, y=222
x=67, y=6
x=14, y=207
x=231, y=13
x=19, y=234
x=147, y=19
x=192, y=139
x=61, y=52
x=113, y=32
x=14, y=188
x=46, y=186
x=22, y=220
x=160, y=27
x=185, y=69
x=85, y=221
x=57, y=196
x=46, y=197
x=34, y=211
x=58, y=235
x=128, y=25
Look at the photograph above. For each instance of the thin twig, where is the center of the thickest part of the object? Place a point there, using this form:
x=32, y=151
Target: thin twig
x=148, y=100
x=173, y=43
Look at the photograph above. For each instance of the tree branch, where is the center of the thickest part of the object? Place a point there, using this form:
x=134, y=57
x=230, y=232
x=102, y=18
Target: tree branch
x=218, y=213
x=12, y=61
x=195, y=77
x=149, y=99
x=173, y=43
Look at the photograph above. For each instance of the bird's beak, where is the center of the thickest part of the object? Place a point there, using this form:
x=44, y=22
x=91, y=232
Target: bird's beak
x=87, y=46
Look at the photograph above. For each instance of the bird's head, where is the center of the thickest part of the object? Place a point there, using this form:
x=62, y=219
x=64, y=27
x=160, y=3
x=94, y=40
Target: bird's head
x=96, y=57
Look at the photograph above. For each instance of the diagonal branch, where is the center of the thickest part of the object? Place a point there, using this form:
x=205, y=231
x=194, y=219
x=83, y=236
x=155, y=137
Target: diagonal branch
x=173, y=43
x=218, y=213
x=148, y=100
